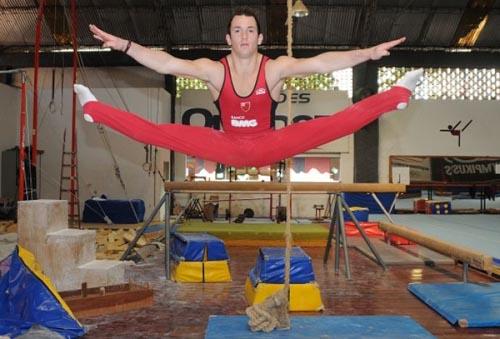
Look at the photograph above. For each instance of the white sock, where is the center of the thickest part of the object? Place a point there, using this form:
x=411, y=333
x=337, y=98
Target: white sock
x=84, y=95
x=409, y=81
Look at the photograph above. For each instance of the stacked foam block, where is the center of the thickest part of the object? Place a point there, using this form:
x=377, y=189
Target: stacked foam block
x=199, y=257
x=67, y=256
x=437, y=207
x=419, y=205
x=268, y=275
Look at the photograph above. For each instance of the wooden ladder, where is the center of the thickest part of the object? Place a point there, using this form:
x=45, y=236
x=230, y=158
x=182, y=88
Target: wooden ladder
x=68, y=184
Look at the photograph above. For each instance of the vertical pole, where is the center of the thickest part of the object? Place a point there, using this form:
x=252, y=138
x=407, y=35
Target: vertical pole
x=22, y=172
x=330, y=233
x=344, y=238
x=36, y=66
x=465, y=273
x=271, y=206
x=167, y=234
x=229, y=207
x=337, y=235
x=73, y=179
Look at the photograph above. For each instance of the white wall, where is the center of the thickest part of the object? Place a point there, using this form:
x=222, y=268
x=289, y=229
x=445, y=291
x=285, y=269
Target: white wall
x=416, y=130
x=10, y=101
x=134, y=87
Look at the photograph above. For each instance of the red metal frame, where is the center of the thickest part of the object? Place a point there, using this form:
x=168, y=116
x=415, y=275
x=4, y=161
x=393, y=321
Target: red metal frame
x=22, y=127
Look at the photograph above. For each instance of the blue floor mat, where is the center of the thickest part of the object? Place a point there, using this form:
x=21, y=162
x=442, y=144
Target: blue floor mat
x=235, y=326
x=466, y=305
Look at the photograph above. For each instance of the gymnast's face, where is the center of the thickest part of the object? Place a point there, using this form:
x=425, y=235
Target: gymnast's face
x=243, y=36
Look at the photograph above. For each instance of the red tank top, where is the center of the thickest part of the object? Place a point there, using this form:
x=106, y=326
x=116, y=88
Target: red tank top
x=250, y=114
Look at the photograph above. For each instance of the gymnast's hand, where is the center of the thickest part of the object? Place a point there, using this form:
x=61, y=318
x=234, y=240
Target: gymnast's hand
x=108, y=40
x=382, y=50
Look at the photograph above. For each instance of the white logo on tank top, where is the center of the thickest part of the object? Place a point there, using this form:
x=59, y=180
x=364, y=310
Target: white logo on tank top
x=260, y=91
x=240, y=121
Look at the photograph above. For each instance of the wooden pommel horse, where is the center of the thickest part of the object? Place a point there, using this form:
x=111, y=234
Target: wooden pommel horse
x=337, y=218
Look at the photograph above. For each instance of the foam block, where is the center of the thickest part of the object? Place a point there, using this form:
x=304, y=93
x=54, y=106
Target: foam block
x=103, y=273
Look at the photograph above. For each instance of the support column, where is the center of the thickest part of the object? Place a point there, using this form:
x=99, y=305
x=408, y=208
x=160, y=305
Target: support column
x=366, y=141
x=171, y=87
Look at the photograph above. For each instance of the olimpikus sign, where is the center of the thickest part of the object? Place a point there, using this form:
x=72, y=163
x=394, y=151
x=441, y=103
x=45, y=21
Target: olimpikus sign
x=465, y=169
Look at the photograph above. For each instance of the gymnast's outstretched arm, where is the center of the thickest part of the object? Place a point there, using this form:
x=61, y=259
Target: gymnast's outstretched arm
x=162, y=62
x=285, y=66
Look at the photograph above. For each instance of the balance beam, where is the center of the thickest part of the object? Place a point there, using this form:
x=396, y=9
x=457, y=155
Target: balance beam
x=468, y=256
x=273, y=187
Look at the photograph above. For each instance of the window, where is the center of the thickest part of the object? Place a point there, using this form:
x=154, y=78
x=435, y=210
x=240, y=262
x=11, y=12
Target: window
x=338, y=80
x=308, y=169
x=448, y=83
x=315, y=169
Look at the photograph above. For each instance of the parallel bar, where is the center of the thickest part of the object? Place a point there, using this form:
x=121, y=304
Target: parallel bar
x=475, y=259
x=270, y=187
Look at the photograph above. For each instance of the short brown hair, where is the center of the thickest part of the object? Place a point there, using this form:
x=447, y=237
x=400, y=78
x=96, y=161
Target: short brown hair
x=246, y=11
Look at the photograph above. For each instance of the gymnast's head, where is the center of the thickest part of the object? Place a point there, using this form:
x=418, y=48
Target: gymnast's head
x=243, y=30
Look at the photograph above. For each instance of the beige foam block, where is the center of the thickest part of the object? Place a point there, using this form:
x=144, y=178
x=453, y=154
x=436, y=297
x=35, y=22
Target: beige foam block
x=70, y=247
x=72, y=280
x=36, y=218
x=99, y=273
x=63, y=252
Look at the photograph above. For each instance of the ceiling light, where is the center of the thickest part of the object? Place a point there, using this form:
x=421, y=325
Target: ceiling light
x=299, y=10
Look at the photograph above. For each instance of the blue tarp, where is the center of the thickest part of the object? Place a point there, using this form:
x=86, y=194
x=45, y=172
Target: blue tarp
x=360, y=214
x=270, y=266
x=119, y=211
x=197, y=247
x=477, y=305
x=26, y=300
x=366, y=200
x=236, y=326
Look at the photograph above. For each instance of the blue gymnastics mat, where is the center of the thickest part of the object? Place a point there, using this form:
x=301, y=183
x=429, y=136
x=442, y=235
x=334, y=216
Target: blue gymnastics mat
x=466, y=305
x=325, y=327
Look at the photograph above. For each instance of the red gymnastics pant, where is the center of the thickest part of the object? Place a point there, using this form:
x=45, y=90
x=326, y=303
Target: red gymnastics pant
x=259, y=149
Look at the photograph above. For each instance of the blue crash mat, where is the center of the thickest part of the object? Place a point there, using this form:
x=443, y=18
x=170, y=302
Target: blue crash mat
x=270, y=266
x=472, y=305
x=198, y=247
x=366, y=200
x=119, y=211
x=235, y=326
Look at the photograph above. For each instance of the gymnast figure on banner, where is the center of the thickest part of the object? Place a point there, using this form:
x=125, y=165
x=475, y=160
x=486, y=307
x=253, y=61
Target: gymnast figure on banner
x=245, y=86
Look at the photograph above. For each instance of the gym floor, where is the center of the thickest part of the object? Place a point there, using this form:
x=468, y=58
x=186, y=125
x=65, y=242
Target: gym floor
x=181, y=310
